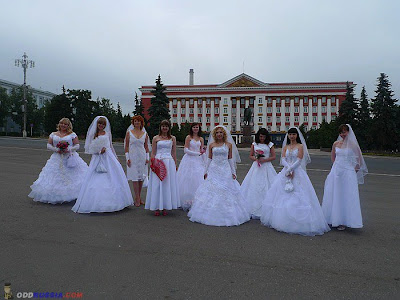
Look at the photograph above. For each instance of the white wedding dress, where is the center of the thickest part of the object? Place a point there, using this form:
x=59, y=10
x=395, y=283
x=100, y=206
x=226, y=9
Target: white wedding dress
x=258, y=181
x=297, y=211
x=341, y=202
x=190, y=174
x=137, y=155
x=58, y=183
x=163, y=194
x=218, y=200
x=104, y=191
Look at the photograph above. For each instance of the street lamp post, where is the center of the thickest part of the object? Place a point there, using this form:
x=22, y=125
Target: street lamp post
x=24, y=63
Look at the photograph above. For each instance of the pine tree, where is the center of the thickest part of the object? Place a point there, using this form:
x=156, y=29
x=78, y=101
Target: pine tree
x=348, y=108
x=158, y=110
x=364, y=121
x=56, y=109
x=84, y=110
x=139, y=109
x=383, y=109
x=5, y=106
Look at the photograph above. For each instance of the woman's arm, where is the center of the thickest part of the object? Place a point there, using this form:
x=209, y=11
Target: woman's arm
x=127, y=136
x=231, y=162
x=154, y=146
x=272, y=154
x=146, y=148
x=333, y=152
x=252, y=156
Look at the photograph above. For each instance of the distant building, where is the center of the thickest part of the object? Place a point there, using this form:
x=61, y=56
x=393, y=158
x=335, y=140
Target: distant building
x=275, y=106
x=40, y=96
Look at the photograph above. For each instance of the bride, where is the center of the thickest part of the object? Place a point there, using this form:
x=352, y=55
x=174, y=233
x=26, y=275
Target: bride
x=105, y=188
x=291, y=205
x=218, y=200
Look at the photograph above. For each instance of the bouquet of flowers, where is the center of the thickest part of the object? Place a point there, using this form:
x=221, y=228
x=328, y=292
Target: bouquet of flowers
x=258, y=154
x=63, y=146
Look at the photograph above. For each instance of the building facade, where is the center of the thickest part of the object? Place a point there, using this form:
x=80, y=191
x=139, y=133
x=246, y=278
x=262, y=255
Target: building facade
x=275, y=106
x=40, y=96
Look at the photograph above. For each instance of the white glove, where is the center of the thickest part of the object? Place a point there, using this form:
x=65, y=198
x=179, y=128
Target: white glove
x=284, y=162
x=295, y=165
x=232, y=164
x=209, y=160
x=190, y=152
x=147, y=156
x=52, y=148
x=74, y=147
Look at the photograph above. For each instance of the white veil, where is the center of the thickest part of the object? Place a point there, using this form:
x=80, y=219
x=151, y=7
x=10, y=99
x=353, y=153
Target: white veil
x=355, y=155
x=235, y=152
x=306, y=156
x=92, y=131
x=145, y=132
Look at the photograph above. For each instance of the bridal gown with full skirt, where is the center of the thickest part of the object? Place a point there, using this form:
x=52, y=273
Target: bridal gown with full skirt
x=58, y=183
x=298, y=211
x=258, y=181
x=103, y=191
x=218, y=200
x=190, y=174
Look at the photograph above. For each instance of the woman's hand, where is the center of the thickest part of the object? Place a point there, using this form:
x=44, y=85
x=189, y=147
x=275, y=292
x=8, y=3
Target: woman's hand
x=147, y=162
x=233, y=176
x=103, y=150
x=128, y=163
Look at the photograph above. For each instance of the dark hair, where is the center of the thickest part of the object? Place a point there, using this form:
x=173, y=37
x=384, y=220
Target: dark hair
x=191, y=129
x=263, y=131
x=168, y=123
x=293, y=130
x=343, y=127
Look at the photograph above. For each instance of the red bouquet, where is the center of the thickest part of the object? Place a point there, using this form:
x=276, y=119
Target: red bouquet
x=158, y=167
x=259, y=154
x=63, y=146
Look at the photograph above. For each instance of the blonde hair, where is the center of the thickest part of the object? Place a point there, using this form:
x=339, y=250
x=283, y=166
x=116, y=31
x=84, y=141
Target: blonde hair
x=68, y=122
x=214, y=134
x=103, y=121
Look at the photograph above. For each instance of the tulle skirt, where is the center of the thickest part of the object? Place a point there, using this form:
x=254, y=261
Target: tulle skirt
x=341, y=202
x=104, y=192
x=218, y=202
x=58, y=183
x=255, y=185
x=163, y=194
x=189, y=177
x=297, y=212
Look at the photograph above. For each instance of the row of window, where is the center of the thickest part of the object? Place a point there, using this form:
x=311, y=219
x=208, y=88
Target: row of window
x=260, y=100
x=260, y=110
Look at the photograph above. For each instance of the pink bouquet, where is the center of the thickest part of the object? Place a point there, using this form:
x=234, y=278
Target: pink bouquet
x=63, y=146
x=258, y=154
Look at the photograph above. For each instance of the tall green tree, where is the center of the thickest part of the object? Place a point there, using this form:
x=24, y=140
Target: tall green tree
x=348, y=108
x=83, y=109
x=364, y=121
x=5, y=106
x=139, y=108
x=34, y=115
x=383, y=109
x=159, y=109
x=59, y=107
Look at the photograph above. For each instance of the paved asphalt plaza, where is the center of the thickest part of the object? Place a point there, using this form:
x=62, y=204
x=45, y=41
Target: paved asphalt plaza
x=133, y=255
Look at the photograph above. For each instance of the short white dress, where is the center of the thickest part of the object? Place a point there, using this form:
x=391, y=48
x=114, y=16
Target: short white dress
x=218, y=201
x=297, y=211
x=341, y=202
x=258, y=181
x=58, y=183
x=190, y=174
x=137, y=155
x=104, y=189
x=163, y=194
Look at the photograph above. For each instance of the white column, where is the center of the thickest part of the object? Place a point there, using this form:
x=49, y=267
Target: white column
x=283, y=114
x=301, y=111
x=273, y=127
x=203, y=115
x=170, y=110
x=187, y=109
x=265, y=101
x=310, y=115
x=195, y=112
x=178, y=115
x=337, y=106
x=319, y=112
x=212, y=113
x=291, y=118
x=238, y=115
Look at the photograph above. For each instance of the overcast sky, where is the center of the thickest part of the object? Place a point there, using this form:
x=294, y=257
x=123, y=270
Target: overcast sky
x=114, y=47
